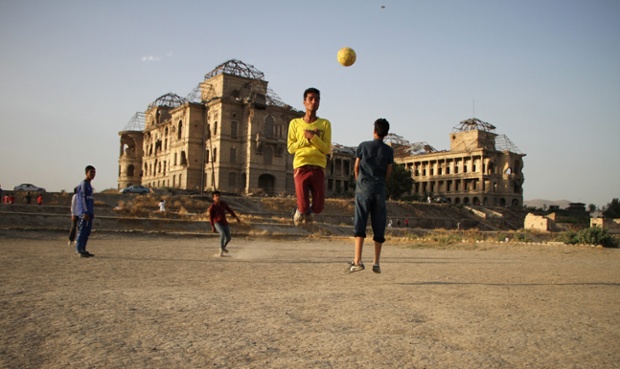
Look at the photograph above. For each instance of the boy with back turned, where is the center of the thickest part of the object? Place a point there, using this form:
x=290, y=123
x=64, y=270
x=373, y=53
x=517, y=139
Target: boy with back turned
x=373, y=167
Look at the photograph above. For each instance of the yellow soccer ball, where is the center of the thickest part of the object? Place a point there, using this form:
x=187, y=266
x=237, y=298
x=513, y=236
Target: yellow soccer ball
x=346, y=56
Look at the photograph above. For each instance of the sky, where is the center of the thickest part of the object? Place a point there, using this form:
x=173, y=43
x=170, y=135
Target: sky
x=545, y=73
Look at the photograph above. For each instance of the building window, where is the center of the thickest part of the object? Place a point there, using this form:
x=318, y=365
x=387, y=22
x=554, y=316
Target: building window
x=207, y=156
x=232, y=180
x=180, y=130
x=269, y=127
x=233, y=155
x=233, y=129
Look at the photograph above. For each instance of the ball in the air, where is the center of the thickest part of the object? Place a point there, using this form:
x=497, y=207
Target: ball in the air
x=346, y=56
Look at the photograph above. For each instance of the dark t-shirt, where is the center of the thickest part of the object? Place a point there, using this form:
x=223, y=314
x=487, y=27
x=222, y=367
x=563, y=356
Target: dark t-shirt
x=375, y=156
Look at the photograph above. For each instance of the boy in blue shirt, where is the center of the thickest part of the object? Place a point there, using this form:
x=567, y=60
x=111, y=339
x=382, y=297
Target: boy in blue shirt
x=373, y=167
x=86, y=212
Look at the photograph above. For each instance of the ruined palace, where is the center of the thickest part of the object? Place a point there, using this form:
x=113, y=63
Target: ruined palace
x=481, y=167
x=228, y=134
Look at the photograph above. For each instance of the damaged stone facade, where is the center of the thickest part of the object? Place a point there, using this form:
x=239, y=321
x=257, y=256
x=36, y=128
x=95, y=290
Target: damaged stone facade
x=230, y=134
x=474, y=171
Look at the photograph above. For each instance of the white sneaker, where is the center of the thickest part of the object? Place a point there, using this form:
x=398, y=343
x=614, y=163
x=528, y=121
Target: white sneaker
x=298, y=218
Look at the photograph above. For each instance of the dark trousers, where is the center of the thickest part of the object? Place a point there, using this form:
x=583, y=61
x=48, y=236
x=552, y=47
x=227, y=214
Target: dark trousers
x=74, y=223
x=83, y=232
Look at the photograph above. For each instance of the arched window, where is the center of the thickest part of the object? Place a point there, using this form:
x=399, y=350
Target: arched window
x=180, y=130
x=269, y=127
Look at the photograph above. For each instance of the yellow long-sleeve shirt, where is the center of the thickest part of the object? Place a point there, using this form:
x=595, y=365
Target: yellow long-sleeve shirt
x=309, y=152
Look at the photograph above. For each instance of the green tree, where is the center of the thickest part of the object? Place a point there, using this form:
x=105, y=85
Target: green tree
x=612, y=210
x=591, y=208
x=399, y=183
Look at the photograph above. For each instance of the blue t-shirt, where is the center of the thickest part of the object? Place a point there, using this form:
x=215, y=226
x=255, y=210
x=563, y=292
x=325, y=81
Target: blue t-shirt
x=85, y=199
x=375, y=156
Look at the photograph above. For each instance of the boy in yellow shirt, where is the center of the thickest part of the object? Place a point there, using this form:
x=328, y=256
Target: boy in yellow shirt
x=310, y=141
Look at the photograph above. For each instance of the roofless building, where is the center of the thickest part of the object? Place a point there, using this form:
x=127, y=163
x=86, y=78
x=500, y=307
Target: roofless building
x=481, y=167
x=228, y=134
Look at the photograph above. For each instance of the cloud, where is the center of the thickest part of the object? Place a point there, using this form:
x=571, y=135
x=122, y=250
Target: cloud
x=150, y=58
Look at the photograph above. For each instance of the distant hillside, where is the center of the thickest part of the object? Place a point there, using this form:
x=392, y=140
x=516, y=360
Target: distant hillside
x=538, y=203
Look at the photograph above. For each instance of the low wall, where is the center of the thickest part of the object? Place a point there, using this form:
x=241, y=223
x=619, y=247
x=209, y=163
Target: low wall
x=102, y=223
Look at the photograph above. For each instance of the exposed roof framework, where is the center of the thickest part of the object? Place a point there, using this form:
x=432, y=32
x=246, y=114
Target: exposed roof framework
x=236, y=68
x=415, y=148
x=336, y=147
x=170, y=100
x=274, y=100
x=503, y=143
x=136, y=123
x=394, y=139
x=195, y=95
x=473, y=124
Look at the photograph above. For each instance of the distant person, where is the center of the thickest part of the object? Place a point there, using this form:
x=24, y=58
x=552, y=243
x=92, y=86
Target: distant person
x=309, y=140
x=40, y=199
x=406, y=223
x=217, y=217
x=86, y=212
x=162, y=206
x=1, y=192
x=74, y=216
x=28, y=198
x=373, y=167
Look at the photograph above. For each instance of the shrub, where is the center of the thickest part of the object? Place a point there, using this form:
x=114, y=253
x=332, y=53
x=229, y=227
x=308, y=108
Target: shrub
x=569, y=238
x=596, y=236
x=591, y=236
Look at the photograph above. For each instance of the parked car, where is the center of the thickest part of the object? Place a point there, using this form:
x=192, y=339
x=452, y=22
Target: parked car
x=136, y=189
x=28, y=187
x=442, y=200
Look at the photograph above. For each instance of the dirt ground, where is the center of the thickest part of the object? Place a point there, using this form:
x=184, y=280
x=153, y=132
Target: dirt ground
x=167, y=302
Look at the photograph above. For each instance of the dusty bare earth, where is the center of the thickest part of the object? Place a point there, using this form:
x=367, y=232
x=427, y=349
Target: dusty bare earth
x=167, y=302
